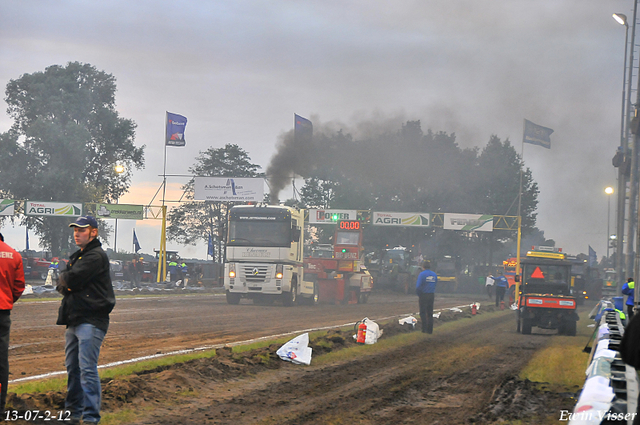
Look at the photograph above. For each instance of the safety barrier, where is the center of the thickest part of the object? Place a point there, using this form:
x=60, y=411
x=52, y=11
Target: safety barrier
x=610, y=391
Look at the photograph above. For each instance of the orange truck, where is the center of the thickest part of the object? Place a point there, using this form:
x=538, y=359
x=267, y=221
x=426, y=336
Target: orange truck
x=545, y=299
x=339, y=272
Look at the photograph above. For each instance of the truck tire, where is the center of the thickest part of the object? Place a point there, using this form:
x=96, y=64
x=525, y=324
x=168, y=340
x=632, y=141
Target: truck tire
x=232, y=298
x=518, y=322
x=569, y=328
x=315, y=298
x=290, y=299
x=363, y=297
x=526, y=326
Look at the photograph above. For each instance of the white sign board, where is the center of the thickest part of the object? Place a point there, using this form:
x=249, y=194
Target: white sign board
x=7, y=207
x=65, y=209
x=468, y=222
x=327, y=216
x=240, y=189
x=401, y=219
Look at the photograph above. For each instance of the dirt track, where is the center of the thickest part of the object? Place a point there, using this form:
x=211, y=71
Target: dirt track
x=445, y=378
x=142, y=326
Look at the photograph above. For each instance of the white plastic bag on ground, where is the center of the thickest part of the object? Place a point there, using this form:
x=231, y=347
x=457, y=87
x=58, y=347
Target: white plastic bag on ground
x=28, y=289
x=297, y=350
x=373, y=331
x=408, y=320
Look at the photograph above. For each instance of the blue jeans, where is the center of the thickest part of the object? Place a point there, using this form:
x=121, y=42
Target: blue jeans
x=82, y=349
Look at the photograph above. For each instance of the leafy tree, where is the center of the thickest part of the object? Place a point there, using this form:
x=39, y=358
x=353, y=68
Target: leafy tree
x=412, y=171
x=64, y=143
x=194, y=221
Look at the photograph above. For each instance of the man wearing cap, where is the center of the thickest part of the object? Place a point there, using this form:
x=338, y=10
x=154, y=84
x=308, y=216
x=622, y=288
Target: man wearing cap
x=11, y=287
x=88, y=299
x=425, y=289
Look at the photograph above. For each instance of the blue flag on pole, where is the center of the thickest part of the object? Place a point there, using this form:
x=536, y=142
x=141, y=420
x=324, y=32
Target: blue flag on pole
x=210, y=246
x=537, y=135
x=176, y=124
x=593, y=258
x=136, y=244
x=27, y=244
x=302, y=129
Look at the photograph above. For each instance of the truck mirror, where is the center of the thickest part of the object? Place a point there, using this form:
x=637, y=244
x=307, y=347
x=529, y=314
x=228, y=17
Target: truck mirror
x=516, y=278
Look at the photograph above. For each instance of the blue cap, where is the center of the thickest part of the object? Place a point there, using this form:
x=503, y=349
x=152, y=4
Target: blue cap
x=85, y=221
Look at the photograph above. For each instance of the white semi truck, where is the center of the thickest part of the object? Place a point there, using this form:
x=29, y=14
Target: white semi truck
x=265, y=256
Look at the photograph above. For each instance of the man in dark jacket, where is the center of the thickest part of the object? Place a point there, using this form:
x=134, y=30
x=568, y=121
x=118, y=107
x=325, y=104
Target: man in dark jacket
x=502, y=284
x=88, y=300
x=425, y=289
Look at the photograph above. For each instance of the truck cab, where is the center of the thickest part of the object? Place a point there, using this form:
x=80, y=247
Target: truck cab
x=265, y=255
x=545, y=300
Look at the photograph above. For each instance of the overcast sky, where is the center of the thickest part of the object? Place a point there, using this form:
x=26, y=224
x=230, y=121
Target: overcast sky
x=239, y=70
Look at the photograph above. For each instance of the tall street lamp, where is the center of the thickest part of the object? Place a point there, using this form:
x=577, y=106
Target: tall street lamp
x=624, y=148
x=119, y=169
x=608, y=191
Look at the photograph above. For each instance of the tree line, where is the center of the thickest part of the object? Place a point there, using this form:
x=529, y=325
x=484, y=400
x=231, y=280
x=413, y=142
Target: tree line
x=67, y=137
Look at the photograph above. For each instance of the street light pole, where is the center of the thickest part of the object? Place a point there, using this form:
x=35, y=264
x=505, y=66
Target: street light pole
x=624, y=150
x=119, y=169
x=608, y=191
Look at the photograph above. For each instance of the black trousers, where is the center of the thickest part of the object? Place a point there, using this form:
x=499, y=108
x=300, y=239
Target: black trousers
x=426, y=312
x=500, y=290
x=5, y=327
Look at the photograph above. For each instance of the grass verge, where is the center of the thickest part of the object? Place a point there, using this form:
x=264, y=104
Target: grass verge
x=561, y=365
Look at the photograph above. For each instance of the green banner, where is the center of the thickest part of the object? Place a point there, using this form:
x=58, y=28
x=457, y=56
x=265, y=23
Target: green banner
x=7, y=207
x=119, y=211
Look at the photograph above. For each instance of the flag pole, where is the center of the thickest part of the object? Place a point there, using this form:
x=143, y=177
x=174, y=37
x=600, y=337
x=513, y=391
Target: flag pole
x=162, y=260
x=519, y=237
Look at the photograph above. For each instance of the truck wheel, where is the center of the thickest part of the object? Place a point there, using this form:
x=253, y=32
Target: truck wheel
x=363, y=297
x=526, y=326
x=518, y=322
x=316, y=295
x=289, y=299
x=569, y=328
x=232, y=298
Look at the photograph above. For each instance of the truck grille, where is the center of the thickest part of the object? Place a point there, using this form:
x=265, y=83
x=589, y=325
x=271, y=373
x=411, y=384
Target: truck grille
x=255, y=273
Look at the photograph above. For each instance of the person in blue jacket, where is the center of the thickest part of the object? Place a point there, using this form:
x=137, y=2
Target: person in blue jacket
x=425, y=289
x=628, y=289
x=502, y=284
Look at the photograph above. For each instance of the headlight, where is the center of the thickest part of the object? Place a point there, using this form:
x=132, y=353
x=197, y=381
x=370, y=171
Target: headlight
x=279, y=271
x=232, y=270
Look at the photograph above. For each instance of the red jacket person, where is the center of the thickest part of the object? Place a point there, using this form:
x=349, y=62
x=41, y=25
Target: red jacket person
x=11, y=287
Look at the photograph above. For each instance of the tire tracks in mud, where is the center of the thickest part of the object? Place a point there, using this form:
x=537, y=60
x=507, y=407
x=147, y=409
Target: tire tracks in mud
x=448, y=377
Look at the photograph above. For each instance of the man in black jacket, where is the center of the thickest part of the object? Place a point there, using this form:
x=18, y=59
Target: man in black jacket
x=88, y=299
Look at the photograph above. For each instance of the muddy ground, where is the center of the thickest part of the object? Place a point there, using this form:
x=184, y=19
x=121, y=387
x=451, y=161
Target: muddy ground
x=450, y=377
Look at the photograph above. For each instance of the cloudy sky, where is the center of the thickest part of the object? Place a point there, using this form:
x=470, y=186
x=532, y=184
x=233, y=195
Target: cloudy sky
x=239, y=70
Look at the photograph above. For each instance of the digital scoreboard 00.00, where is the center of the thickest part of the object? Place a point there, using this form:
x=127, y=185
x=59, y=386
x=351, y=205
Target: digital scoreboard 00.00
x=349, y=225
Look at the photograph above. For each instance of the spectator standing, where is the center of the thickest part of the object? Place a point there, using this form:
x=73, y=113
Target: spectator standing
x=88, y=299
x=425, y=289
x=501, y=283
x=628, y=289
x=489, y=284
x=11, y=287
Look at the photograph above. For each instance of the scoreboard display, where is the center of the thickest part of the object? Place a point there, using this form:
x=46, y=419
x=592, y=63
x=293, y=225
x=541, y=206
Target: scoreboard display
x=349, y=225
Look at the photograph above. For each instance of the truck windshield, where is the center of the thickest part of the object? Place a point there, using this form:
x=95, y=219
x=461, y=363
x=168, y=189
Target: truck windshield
x=259, y=233
x=347, y=238
x=547, y=279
